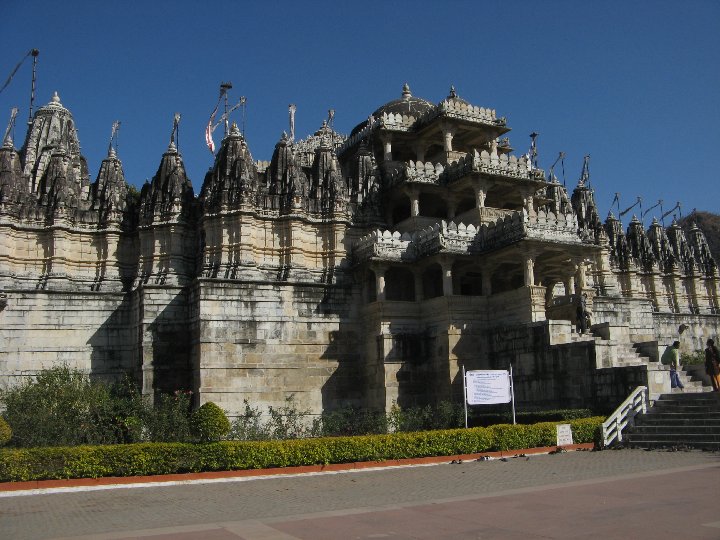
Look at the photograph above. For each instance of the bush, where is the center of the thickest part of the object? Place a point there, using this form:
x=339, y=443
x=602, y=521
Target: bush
x=169, y=419
x=209, y=423
x=287, y=422
x=249, y=426
x=61, y=406
x=5, y=432
x=167, y=458
x=349, y=421
x=444, y=415
x=528, y=417
x=691, y=359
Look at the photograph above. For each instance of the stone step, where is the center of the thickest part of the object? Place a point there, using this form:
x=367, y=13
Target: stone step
x=709, y=396
x=685, y=410
x=666, y=429
x=678, y=438
x=653, y=443
x=680, y=419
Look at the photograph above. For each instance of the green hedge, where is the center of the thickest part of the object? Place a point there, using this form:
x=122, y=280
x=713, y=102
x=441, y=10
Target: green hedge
x=167, y=458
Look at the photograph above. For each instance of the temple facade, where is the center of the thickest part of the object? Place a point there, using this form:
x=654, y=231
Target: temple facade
x=359, y=270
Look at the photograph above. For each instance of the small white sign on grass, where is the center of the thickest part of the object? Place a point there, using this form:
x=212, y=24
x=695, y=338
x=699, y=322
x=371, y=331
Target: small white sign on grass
x=564, y=435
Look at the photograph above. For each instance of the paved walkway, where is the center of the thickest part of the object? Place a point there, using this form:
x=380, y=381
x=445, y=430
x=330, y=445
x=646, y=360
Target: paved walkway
x=610, y=494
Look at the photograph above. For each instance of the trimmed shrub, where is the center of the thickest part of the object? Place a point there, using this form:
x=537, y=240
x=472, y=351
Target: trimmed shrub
x=5, y=432
x=209, y=423
x=167, y=458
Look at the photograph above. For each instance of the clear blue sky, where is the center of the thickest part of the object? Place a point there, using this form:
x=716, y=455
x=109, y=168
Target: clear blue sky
x=634, y=84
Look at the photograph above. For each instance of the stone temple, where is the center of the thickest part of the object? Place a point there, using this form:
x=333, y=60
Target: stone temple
x=348, y=270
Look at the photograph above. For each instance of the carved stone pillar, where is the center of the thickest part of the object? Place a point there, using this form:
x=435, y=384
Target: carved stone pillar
x=529, y=269
x=447, y=277
x=569, y=285
x=580, y=278
x=480, y=195
x=386, y=139
x=380, y=283
x=414, y=203
x=448, y=133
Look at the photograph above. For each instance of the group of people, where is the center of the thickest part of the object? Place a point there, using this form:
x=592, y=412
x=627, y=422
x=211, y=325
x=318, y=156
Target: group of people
x=712, y=364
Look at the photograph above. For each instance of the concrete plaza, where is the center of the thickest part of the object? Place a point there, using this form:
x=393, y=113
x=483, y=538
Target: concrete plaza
x=610, y=494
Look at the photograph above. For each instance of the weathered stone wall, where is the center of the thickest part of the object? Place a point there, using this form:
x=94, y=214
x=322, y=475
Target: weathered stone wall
x=264, y=341
x=90, y=331
x=162, y=327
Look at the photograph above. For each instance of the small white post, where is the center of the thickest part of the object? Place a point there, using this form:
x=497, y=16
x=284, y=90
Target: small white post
x=465, y=396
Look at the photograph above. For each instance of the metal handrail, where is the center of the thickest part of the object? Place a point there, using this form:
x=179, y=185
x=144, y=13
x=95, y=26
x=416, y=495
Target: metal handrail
x=624, y=415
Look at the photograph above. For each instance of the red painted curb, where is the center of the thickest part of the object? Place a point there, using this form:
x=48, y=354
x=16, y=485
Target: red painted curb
x=332, y=467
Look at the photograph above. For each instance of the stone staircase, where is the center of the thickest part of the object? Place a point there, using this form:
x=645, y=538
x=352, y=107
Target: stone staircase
x=683, y=419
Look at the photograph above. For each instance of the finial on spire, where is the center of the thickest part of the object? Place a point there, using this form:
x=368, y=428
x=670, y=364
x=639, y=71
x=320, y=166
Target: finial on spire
x=113, y=137
x=406, y=91
x=55, y=98
x=174, y=133
x=234, y=130
x=7, y=138
x=453, y=94
x=585, y=173
x=291, y=112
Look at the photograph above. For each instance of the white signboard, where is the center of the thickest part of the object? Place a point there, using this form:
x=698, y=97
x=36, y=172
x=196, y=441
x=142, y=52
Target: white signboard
x=485, y=387
x=564, y=435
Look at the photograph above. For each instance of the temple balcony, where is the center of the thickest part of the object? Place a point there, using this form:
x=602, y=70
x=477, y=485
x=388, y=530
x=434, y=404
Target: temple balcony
x=560, y=228
x=462, y=111
x=499, y=165
x=396, y=173
x=450, y=237
x=384, y=245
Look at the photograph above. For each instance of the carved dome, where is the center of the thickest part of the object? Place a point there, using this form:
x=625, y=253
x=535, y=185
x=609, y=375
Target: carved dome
x=407, y=104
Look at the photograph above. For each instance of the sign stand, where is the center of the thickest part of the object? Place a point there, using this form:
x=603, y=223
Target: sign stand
x=512, y=394
x=465, y=396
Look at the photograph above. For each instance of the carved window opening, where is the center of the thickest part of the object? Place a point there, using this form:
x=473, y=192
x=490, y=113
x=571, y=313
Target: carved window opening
x=465, y=205
x=507, y=277
x=432, y=280
x=503, y=198
x=401, y=210
x=432, y=206
x=399, y=285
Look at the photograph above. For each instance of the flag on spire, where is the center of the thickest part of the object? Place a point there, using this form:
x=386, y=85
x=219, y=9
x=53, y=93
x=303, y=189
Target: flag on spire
x=210, y=128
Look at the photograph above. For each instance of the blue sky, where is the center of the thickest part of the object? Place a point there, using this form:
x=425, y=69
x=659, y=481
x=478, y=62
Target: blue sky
x=634, y=84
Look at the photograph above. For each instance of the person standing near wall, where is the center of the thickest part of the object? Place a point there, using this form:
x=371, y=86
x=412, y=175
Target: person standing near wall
x=671, y=357
x=712, y=364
